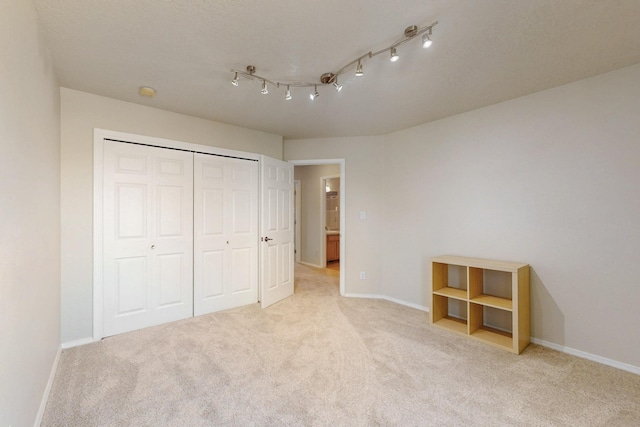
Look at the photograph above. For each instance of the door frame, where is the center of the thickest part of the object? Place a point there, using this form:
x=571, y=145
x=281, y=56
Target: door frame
x=323, y=215
x=343, y=210
x=99, y=135
x=297, y=197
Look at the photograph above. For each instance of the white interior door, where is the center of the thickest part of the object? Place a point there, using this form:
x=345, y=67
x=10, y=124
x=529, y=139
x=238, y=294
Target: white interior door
x=225, y=233
x=277, y=232
x=148, y=235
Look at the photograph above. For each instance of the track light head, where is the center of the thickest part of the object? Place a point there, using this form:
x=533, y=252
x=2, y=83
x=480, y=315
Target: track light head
x=359, y=72
x=235, y=80
x=315, y=93
x=426, y=41
x=264, y=90
x=287, y=94
x=394, y=55
x=337, y=85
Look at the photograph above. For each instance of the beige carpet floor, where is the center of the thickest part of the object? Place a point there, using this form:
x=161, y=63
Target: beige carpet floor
x=317, y=359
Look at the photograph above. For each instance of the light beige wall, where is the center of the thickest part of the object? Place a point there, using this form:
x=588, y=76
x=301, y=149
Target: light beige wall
x=81, y=113
x=364, y=176
x=549, y=179
x=311, y=221
x=29, y=215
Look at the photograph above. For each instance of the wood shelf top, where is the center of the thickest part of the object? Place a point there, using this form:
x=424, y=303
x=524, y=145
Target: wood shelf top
x=495, y=302
x=456, y=293
x=486, y=264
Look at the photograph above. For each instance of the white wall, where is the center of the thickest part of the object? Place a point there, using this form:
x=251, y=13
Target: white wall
x=365, y=174
x=550, y=179
x=29, y=215
x=81, y=113
x=311, y=221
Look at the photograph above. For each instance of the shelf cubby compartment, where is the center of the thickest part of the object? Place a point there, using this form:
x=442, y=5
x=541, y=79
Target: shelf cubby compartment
x=450, y=313
x=488, y=324
x=496, y=294
x=450, y=281
x=491, y=288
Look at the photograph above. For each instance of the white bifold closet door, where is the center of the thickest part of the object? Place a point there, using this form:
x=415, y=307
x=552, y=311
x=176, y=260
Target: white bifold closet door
x=225, y=233
x=148, y=236
x=181, y=234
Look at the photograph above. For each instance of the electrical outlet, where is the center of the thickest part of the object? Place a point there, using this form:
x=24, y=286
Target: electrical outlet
x=363, y=275
x=363, y=214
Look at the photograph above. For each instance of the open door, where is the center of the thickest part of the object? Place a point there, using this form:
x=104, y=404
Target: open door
x=276, y=231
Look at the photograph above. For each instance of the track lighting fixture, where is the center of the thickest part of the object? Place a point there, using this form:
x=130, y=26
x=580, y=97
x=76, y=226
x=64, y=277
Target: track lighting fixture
x=337, y=85
x=426, y=41
x=394, y=55
x=314, y=94
x=332, y=78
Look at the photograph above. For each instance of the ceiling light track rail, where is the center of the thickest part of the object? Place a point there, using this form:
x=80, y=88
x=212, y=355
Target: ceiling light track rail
x=331, y=78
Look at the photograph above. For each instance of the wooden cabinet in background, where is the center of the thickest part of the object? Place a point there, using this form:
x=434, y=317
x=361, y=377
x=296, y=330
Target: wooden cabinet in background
x=333, y=247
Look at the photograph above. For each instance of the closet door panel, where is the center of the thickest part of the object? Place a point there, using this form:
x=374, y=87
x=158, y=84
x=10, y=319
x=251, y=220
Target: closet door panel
x=170, y=278
x=131, y=211
x=241, y=280
x=212, y=274
x=241, y=203
x=130, y=285
x=170, y=213
x=213, y=211
x=148, y=235
x=226, y=233
x=210, y=242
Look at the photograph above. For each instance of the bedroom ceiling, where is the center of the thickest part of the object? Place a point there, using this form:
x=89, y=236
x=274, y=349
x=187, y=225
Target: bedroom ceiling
x=484, y=52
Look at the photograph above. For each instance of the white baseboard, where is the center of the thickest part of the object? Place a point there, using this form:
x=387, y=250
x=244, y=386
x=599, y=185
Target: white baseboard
x=384, y=297
x=584, y=355
x=45, y=396
x=77, y=343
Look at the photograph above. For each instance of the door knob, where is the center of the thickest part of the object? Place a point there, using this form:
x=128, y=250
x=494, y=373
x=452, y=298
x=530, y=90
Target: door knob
x=266, y=239
x=153, y=246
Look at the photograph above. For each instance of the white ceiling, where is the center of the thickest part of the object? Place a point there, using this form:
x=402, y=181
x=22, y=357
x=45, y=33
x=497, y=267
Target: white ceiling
x=484, y=52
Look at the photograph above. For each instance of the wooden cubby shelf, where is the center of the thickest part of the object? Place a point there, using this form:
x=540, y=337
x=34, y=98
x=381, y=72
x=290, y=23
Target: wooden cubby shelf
x=452, y=293
x=484, y=299
x=495, y=302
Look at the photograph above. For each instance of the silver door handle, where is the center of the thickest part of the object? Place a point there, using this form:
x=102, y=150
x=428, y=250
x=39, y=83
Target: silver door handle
x=266, y=239
x=153, y=246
